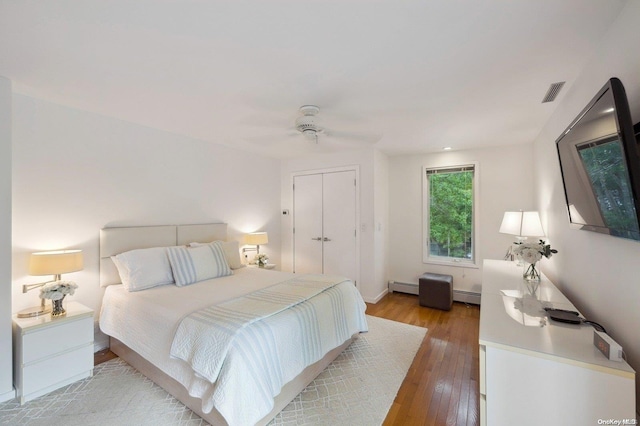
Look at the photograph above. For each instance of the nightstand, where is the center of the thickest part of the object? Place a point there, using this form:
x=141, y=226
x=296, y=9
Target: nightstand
x=49, y=353
x=267, y=266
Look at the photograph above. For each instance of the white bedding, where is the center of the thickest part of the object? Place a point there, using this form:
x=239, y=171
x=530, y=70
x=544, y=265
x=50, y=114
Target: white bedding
x=146, y=321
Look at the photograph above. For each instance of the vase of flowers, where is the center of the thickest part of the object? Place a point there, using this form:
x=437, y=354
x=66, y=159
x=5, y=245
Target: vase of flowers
x=57, y=291
x=57, y=310
x=530, y=254
x=261, y=260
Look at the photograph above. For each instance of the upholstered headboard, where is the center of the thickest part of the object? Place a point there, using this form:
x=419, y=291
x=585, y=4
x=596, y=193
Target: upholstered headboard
x=118, y=240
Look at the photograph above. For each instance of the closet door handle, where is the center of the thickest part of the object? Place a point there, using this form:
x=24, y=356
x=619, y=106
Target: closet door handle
x=317, y=239
x=326, y=239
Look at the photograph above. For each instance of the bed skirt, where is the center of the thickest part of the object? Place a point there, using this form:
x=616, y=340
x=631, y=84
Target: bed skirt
x=172, y=386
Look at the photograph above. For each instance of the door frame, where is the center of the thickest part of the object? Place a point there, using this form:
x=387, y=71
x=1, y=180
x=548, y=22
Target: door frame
x=354, y=168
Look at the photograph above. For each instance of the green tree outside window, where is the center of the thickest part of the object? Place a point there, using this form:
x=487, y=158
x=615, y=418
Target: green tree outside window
x=451, y=213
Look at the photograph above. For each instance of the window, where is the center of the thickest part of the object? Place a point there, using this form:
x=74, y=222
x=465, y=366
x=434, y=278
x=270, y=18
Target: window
x=450, y=209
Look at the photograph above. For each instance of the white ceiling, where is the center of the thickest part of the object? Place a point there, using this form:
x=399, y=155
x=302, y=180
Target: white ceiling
x=404, y=76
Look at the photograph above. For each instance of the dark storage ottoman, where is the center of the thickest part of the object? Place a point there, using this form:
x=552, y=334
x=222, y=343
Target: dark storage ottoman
x=435, y=291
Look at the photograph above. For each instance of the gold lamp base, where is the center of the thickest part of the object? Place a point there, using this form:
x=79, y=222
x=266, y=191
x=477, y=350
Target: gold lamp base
x=34, y=311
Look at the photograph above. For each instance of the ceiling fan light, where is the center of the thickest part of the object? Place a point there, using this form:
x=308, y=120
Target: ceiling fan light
x=309, y=134
x=305, y=122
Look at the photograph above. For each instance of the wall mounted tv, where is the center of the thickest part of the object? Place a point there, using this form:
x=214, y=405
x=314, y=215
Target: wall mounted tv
x=600, y=164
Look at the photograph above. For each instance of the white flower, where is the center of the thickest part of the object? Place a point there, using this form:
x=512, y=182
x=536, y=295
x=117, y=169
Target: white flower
x=261, y=259
x=56, y=290
x=55, y=295
x=533, y=252
x=530, y=255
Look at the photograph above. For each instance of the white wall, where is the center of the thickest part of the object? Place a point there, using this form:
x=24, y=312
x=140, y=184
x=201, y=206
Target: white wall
x=597, y=272
x=506, y=183
x=371, y=286
x=75, y=172
x=6, y=364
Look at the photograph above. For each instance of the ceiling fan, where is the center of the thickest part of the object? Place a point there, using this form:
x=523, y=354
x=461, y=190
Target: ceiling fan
x=275, y=133
x=307, y=123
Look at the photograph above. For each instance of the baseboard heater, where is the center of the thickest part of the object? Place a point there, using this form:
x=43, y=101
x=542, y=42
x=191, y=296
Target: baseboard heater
x=458, y=295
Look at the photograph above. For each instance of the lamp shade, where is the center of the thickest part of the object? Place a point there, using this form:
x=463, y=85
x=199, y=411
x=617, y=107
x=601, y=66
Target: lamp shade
x=256, y=238
x=522, y=224
x=55, y=262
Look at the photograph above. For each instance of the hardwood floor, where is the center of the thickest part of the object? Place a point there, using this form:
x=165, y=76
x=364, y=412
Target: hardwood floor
x=103, y=356
x=441, y=387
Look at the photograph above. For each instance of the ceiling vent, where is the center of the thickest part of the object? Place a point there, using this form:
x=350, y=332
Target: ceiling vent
x=553, y=91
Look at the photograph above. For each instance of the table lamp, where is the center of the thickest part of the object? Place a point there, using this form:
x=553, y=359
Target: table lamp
x=521, y=225
x=50, y=263
x=255, y=239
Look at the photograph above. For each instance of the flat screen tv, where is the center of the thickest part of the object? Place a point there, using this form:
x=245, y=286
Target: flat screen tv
x=600, y=164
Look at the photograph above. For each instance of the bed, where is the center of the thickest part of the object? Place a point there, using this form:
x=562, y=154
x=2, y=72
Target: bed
x=268, y=359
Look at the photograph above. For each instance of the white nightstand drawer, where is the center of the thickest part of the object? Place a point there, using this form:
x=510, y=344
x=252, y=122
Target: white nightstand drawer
x=42, y=343
x=53, y=371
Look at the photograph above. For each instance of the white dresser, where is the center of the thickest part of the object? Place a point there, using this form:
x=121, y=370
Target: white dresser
x=535, y=371
x=52, y=352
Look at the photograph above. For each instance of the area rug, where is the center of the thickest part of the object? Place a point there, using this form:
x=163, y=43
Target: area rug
x=357, y=388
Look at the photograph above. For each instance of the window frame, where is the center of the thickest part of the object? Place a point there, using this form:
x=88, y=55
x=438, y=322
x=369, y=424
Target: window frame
x=475, y=243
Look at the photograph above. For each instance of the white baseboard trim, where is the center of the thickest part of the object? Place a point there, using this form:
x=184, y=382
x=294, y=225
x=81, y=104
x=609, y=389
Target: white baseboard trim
x=100, y=340
x=458, y=295
x=99, y=346
x=377, y=298
x=400, y=287
x=9, y=395
x=466, y=297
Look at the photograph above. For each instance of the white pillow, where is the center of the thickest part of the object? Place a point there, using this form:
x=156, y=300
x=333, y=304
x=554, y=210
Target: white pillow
x=143, y=268
x=232, y=254
x=194, y=264
x=231, y=251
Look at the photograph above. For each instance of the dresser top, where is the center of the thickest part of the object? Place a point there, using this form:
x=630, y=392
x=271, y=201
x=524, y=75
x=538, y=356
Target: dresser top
x=512, y=317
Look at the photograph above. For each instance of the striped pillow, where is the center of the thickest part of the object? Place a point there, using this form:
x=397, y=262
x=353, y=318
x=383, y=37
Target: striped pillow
x=191, y=265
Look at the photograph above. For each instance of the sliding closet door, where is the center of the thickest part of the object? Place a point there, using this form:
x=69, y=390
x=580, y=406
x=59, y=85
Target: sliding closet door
x=339, y=223
x=325, y=223
x=307, y=211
